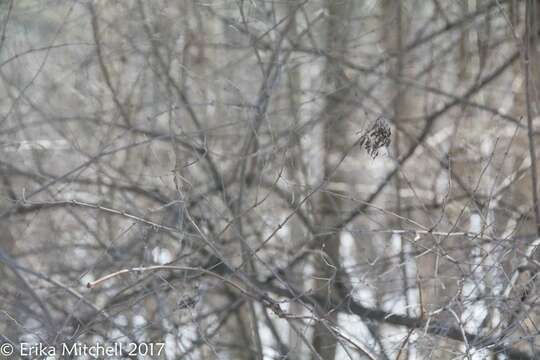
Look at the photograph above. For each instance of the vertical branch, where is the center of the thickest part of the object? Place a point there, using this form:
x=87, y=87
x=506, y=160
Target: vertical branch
x=103, y=66
x=530, y=37
x=5, y=25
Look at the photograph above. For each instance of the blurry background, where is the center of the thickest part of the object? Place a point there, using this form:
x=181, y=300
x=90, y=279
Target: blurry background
x=327, y=179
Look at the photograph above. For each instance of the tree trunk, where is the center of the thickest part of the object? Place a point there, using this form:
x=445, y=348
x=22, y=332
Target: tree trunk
x=335, y=132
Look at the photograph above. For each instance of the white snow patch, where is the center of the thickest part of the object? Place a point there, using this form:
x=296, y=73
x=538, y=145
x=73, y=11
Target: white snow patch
x=161, y=255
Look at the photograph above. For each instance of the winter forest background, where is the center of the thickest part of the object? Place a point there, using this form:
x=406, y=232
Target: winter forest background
x=266, y=179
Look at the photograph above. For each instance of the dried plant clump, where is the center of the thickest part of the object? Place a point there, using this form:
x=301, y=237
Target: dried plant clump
x=378, y=136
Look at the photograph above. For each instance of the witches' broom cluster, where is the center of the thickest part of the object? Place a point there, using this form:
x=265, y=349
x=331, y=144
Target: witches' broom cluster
x=376, y=137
